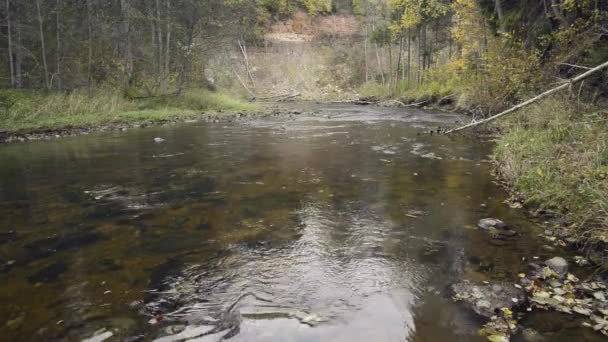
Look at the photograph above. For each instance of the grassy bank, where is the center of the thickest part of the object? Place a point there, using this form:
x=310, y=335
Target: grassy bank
x=555, y=154
x=28, y=110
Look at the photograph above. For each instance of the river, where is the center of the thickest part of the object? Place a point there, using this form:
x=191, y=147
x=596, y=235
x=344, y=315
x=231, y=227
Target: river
x=347, y=224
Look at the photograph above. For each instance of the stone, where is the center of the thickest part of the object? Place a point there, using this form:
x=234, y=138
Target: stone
x=491, y=223
x=558, y=264
x=158, y=140
x=99, y=336
x=485, y=299
x=531, y=335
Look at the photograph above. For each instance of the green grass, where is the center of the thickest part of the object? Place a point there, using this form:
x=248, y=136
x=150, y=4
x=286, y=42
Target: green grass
x=29, y=110
x=556, y=155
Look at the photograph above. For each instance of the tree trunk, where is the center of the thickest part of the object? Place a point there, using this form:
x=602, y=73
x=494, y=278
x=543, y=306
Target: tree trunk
x=10, y=43
x=419, y=59
x=398, y=71
x=365, y=53
x=18, y=60
x=166, y=72
x=90, y=49
x=380, y=64
x=556, y=7
x=159, y=48
x=128, y=54
x=390, y=63
x=409, y=56
x=58, y=49
x=499, y=13
x=185, y=68
x=43, y=47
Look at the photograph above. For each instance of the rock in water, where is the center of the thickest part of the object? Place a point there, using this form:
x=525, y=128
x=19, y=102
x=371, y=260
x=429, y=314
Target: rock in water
x=558, y=264
x=485, y=299
x=158, y=140
x=491, y=223
x=531, y=335
x=99, y=336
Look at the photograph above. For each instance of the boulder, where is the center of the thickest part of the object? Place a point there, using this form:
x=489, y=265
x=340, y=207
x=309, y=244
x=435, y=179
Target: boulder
x=484, y=300
x=558, y=264
x=491, y=223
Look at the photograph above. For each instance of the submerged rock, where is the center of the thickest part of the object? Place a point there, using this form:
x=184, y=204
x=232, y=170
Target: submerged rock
x=491, y=223
x=99, y=336
x=558, y=264
x=48, y=273
x=485, y=299
x=531, y=335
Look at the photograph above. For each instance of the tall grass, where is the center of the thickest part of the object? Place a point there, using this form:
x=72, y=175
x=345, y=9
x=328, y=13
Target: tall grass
x=556, y=155
x=25, y=110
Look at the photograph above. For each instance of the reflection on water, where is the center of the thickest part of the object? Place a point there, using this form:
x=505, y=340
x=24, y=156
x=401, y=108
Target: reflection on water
x=346, y=226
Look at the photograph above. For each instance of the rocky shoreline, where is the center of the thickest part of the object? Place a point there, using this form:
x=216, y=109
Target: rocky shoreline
x=550, y=285
x=212, y=117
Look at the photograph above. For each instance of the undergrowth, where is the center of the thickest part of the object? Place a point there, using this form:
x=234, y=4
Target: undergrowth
x=555, y=154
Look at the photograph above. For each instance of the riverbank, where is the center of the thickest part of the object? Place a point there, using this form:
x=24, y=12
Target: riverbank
x=32, y=115
x=553, y=157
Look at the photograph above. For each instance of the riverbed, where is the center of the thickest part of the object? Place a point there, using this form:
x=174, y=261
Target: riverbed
x=333, y=223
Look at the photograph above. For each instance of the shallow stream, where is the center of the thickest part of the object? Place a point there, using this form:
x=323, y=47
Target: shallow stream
x=348, y=224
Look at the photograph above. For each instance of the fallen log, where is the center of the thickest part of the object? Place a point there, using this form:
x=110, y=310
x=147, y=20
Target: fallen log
x=287, y=97
x=532, y=100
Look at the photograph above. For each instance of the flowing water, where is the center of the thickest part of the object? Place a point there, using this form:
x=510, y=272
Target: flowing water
x=347, y=225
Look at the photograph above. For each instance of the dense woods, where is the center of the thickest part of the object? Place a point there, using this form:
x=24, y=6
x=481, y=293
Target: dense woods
x=145, y=48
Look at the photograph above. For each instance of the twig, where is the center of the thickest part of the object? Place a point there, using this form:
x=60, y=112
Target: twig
x=534, y=99
x=575, y=66
x=445, y=98
x=244, y=86
x=417, y=104
x=287, y=97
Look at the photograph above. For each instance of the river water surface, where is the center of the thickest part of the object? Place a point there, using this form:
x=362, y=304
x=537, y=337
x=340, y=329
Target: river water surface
x=346, y=225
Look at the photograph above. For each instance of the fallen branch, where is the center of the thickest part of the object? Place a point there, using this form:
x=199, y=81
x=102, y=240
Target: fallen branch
x=418, y=104
x=575, y=66
x=445, y=98
x=245, y=86
x=287, y=97
x=386, y=102
x=357, y=102
x=532, y=100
